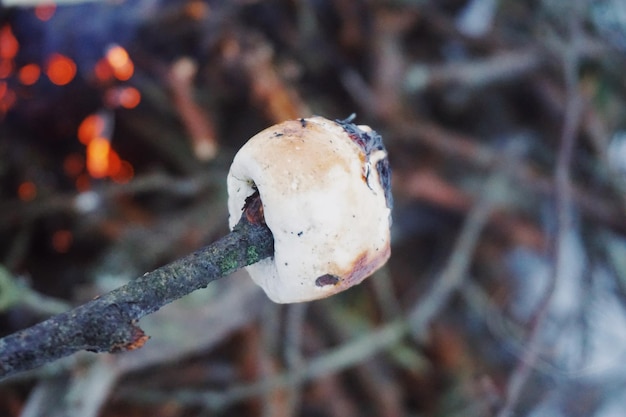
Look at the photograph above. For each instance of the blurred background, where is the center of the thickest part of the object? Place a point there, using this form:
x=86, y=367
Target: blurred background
x=505, y=123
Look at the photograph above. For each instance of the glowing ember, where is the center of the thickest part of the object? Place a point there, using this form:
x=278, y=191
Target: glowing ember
x=126, y=97
x=29, y=74
x=8, y=43
x=61, y=70
x=27, y=191
x=130, y=97
x=6, y=67
x=102, y=160
x=121, y=64
x=62, y=240
x=103, y=70
x=124, y=174
x=7, y=98
x=117, y=56
x=124, y=73
x=197, y=10
x=90, y=128
x=44, y=12
x=98, y=152
x=115, y=163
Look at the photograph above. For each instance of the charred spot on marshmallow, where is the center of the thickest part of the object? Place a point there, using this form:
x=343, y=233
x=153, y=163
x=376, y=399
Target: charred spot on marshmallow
x=371, y=143
x=326, y=279
x=323, y=190
x=384, y=176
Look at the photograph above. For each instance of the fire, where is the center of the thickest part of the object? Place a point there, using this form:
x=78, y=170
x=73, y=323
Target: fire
x=126, y=97
x=121, y=64
x=7, y=98
x=45, y=11
x=8, y=43
x=101, y=159
x=98, y=151
x=117, y=56
x=103, y=70
x=90, y=128
x=130, y=97
x=29, y=74
x=115, y=64
x=9, y=46
x=61, y=70
x=6, y=67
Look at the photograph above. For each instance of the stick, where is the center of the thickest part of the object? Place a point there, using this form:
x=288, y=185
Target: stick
x=108, y=323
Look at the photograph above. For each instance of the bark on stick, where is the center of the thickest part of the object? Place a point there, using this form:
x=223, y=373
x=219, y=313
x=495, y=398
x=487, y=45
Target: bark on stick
x=109, y=323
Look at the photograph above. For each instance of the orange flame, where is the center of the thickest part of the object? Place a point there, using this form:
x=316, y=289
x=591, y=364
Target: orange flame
x=7, y=98
x=117, y=56
x=98, y=151
x=103, y=70
x=90, y=128
x=115, y=163
x=8, y=43
x=29, y=74
x=121, y=64
x=101, y=159
x=126, y=97
x=6, y=67
x=130, y=97
x=61, y=70
x=44, y=12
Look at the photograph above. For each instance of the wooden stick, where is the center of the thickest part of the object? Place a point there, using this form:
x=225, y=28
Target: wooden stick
x=109, y=323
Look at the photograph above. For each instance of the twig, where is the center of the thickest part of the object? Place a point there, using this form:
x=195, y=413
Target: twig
x=20, y=212
x=334, y=361
x=13, y=292
x=109, y=323
x=87, y=391
x=268, y=89
x=452, y=276
x=503, y=66
x=467, y=148
x=563, y=200
x=199, y=123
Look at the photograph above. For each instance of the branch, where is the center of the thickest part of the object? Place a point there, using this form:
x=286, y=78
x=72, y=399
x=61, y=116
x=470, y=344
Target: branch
x=109, y=323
